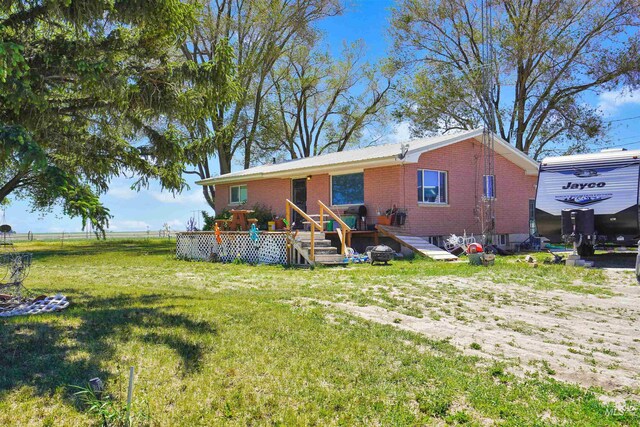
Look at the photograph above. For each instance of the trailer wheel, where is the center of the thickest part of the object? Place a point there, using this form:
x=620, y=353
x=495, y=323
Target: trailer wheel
x=586, y=250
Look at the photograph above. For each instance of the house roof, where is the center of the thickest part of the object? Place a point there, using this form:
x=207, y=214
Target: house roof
x=374, y=156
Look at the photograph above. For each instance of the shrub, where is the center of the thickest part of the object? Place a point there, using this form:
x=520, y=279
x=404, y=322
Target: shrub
x=210, y=221
x=263, y=214
x=260, y=212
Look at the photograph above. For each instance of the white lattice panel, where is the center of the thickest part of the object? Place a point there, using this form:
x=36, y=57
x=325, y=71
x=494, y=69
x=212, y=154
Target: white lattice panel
x=270, y=247
x=195, y=246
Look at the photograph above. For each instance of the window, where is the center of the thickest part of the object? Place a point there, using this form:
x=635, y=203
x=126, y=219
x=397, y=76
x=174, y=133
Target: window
x=532, y=217
x=347, y=189
x=489, y=186
x=238, y=194
x=432, y=187
x=434, y=240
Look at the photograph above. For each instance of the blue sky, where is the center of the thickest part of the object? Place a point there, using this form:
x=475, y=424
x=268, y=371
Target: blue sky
x=367, y=20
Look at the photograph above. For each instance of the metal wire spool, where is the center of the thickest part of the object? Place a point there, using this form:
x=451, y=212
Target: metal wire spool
x=5, y=236
x=14, y=267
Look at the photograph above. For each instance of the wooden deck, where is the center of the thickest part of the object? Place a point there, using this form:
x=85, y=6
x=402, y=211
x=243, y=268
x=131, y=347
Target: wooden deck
x=416, y=244
x=373, y=234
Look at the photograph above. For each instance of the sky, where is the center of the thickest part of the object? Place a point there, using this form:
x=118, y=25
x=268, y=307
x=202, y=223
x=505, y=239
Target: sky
x=150, y=209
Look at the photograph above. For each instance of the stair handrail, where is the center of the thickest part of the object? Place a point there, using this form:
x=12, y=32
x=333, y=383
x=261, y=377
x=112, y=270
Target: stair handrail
x=345, y=236
x=312, y=222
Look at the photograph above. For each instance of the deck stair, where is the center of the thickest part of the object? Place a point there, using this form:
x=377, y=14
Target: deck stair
x=416, y=244
x=325, y=254
x=312, y=247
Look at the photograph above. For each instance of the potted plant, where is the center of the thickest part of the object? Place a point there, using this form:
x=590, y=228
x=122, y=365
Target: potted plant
x=387, y=218
x=384, y=220
x=279, y=223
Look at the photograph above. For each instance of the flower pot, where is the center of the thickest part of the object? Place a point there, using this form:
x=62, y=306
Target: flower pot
x=384, y=220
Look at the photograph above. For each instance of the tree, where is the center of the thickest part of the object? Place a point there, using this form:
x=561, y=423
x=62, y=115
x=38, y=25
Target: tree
x=81, y=85
x=320, y=104
x=547, y=55
x=260, y=32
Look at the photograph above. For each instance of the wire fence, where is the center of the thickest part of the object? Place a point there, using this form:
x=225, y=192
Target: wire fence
x=63, y=235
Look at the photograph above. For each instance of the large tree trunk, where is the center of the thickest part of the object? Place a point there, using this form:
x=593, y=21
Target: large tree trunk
x=209, y=192
x=12, y=184
x=224, y=160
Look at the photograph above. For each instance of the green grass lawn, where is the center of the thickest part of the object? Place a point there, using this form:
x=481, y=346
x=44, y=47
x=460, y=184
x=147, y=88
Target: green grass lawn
x=217, y=344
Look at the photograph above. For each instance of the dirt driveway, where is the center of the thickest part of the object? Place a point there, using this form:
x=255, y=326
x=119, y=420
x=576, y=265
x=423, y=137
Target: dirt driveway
x=593, y=340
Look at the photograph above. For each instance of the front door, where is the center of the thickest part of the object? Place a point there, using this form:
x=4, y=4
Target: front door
x=299, y=198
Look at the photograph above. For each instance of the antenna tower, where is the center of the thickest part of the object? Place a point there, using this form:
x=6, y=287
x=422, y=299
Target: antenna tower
x=487, y=208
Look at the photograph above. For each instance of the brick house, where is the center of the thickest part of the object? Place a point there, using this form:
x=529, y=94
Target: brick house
x=437, y=181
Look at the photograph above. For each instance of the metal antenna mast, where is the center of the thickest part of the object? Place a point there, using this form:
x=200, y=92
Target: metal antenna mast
x=488, y=154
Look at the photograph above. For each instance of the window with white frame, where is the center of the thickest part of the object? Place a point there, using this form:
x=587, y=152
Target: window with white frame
x=432, y=187
x=489, y=186
x=347, y=189
x=237, y=194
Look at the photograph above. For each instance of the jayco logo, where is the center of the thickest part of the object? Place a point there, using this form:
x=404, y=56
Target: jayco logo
x=575, y=186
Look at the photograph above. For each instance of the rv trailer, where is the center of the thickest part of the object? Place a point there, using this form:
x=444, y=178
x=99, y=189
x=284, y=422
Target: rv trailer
x=605, y=182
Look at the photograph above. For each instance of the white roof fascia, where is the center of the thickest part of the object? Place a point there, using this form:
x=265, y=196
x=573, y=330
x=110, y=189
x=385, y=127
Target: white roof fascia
x=328, y=169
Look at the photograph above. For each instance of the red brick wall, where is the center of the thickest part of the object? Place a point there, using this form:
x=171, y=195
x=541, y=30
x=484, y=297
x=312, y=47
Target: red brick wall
x=268, y=192
x=464, y=164
x=382, y=189
x=389, y=185
x=318, y=188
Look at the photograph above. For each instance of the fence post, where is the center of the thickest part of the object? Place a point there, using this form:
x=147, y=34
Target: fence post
x=129, y=395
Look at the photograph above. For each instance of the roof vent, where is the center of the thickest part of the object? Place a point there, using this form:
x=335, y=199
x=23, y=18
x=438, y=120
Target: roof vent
x=613, y=150
x=404, y=149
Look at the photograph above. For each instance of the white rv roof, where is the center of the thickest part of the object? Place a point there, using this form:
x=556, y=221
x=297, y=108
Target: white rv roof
x=379, y=155
x=592, y=157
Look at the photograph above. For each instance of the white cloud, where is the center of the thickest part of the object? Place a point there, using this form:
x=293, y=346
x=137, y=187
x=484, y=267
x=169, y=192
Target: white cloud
x=128, y=225
x=400, y=132
x=610, y=102
x=195, y=197
x=177, y=224
x=122, y=192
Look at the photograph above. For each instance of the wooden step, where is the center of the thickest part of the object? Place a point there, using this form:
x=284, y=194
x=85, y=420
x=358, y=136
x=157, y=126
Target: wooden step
x=306, y=235
x=330, y=250
x=323, y=243
x=335, y=259
x=324, y=250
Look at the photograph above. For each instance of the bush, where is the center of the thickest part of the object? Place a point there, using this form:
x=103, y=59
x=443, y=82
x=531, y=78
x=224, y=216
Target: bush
x=263, y=214
x=260, y=212
x=210, y=221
